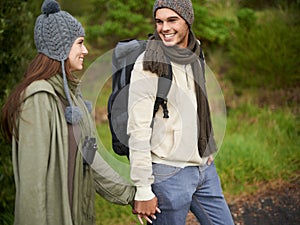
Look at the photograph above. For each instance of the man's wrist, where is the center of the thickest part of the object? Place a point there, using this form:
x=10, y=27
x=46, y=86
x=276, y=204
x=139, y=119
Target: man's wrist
x=144, y=193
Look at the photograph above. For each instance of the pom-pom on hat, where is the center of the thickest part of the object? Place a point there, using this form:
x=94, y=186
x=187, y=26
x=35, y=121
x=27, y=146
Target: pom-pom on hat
x=183, y=8
x=55, y=32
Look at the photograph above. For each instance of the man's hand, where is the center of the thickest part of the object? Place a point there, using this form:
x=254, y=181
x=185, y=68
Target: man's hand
x=146, y=209
x=210, y=160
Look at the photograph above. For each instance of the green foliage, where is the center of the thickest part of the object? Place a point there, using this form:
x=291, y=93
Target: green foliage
x=246, y=18
x=108, y=213
x=266, y=52
x=210, y=25
x=7, y=184
x=121, y=20
x=16, y=36
x=11, y=54
x=260, y=145
x=75, y=7
x=259, y=4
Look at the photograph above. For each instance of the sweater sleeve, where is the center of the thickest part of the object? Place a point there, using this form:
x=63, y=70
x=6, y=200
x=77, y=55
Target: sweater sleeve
x=31, y=160
x=142, y=92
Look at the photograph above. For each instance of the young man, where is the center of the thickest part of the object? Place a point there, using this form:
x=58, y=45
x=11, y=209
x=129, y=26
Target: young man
x=171, y=158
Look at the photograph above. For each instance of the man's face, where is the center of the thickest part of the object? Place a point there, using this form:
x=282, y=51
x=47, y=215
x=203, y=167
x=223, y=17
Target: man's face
x=172, y=29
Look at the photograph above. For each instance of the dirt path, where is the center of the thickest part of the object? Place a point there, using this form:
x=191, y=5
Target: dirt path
x=276, y=203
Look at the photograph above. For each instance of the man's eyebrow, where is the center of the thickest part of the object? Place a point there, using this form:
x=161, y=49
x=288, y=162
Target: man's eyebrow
x=169, y=18
x=173, y=17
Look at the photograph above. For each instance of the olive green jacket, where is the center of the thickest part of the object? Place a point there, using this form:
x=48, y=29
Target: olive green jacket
x=40, y=161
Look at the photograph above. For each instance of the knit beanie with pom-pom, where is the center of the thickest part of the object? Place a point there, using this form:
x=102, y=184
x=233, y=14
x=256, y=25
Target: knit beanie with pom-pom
x=54, y=34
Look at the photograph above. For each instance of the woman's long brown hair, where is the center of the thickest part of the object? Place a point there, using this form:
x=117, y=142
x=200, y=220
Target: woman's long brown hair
x=41, y=68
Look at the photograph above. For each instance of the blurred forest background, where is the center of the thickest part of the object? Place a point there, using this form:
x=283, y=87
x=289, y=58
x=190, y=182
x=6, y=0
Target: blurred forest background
x=251, y=45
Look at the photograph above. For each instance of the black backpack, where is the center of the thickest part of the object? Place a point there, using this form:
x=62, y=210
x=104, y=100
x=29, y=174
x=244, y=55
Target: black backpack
x=123, y=59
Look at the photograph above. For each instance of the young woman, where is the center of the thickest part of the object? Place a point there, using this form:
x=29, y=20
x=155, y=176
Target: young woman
x=49, y=125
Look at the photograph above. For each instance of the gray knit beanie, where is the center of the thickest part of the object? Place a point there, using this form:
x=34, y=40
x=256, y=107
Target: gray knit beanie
x=183, y=8
x=55, y=31
x=54, y=34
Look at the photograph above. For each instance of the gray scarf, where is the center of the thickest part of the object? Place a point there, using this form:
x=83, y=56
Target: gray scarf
x=156, y=59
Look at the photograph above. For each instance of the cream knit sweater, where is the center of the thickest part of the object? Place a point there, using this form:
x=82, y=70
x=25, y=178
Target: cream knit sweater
x=171, y=141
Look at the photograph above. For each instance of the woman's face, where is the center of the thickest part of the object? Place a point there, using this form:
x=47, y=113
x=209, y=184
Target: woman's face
x=77, y=54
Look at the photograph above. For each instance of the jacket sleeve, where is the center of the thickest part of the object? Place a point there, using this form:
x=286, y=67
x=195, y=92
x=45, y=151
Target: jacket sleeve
x=31, y=160
x=110, y=185
x=142, y=92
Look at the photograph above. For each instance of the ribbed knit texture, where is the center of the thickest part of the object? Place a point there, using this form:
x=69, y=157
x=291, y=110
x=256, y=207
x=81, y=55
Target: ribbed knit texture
x=55, y=32
x=183, y=8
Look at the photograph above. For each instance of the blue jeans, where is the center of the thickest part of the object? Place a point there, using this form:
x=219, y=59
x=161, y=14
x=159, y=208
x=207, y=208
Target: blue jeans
x=191, y=188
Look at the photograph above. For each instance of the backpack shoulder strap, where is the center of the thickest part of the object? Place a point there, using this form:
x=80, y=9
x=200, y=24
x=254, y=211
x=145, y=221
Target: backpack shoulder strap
x=202, y=62
x=163, y=88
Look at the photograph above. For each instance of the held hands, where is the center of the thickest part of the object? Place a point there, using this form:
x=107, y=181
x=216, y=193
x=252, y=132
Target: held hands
x=146, y=209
